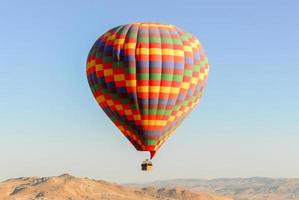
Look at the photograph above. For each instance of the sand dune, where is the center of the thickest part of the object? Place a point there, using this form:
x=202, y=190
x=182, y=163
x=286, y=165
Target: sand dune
x=67, y=187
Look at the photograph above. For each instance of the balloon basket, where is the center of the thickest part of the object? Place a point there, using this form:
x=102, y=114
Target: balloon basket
x=147, y=165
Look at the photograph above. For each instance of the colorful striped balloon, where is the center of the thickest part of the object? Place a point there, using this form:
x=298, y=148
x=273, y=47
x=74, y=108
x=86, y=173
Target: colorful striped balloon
x=147, y=77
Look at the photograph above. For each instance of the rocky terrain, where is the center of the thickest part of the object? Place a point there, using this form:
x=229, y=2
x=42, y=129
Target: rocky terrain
x=255, y=188
x=67, y=187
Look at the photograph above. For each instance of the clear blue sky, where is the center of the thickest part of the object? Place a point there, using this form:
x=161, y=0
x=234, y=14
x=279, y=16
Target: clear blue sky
x=246, y=125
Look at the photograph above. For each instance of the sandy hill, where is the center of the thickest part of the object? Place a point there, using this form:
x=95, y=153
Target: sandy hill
x=67, y=187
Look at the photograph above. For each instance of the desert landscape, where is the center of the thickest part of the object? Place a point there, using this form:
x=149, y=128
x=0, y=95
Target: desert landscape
x=67, y=187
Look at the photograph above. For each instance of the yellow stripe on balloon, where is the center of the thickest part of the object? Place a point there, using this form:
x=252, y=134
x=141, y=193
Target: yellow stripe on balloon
x=155, y=51
x=130, y=45
x=99, y=67
x=194, y=80
x=121, y=128
x=119, y=107
x=154, y=89
x=131, y=83
x=144, y=51
x=143, y=88
x=185, y=85
x=119, y=41
x=110, y=102
x=152, y=25
x=153, y=122
x=171, y=52
x=119, y=77
x=111, y=37
x=100, y=98
x=175, y=90
x=171, y=118
x=201, y=76
x=107, y=34
x=194, y=45
x=167, y=52
x=91, y=64
x=158, y=51
x=159, y=89
x=128, y=112
x=161, y=25
x=136, y=117
x=187, y=48
x=164, y=89
x=108, y=72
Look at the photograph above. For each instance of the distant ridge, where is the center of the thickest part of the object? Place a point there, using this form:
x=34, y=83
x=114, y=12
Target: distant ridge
x=68, y=187
x=254, y=188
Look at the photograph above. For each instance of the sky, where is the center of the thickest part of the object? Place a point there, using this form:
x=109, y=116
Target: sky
x=246, y=125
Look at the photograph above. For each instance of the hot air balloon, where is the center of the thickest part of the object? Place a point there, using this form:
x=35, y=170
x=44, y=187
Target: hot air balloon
x=147, y=77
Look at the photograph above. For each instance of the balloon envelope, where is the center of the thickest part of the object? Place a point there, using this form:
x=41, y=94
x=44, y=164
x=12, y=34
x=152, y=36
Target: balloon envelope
x=147, y=77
